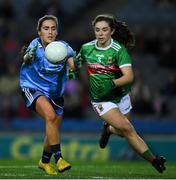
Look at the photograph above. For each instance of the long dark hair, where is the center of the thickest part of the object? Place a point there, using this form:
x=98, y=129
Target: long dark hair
x=121, y=33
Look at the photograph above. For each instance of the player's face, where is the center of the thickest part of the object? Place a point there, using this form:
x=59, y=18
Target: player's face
x=48, y=32
x=103, y=33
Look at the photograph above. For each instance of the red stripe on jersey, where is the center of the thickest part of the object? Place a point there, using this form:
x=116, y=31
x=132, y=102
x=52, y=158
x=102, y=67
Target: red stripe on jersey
x=101, y=69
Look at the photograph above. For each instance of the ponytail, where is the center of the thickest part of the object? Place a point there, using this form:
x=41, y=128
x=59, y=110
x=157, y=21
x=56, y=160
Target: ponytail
x=123, y=34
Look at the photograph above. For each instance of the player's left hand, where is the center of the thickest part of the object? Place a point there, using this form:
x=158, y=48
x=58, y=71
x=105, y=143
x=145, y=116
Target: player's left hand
x=71, y=74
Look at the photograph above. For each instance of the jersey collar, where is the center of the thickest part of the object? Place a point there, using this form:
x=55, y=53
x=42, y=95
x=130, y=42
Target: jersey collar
x=105, y=48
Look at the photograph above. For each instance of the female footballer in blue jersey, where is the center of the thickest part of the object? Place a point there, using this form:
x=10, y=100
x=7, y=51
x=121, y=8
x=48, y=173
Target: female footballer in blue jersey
x=110, y=74
x=42, y=85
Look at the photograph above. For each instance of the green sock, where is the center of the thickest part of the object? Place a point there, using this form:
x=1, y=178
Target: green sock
x=148, y=155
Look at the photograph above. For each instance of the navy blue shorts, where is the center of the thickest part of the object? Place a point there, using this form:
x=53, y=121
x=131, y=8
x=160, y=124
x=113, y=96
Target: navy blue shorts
x=30, y=96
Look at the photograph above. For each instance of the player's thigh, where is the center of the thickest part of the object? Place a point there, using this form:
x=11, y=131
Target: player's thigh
x=128, y=115
x=44, y=108
x=116, y=119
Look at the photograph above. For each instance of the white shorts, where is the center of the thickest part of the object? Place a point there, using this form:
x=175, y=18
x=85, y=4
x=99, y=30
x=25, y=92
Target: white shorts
x=103, y=107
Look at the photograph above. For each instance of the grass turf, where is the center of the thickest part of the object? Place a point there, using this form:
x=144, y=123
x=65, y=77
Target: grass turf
x=27, y=169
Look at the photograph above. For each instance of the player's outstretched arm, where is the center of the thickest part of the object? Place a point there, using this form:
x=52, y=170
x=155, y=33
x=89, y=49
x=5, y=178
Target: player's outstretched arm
x=29, y=55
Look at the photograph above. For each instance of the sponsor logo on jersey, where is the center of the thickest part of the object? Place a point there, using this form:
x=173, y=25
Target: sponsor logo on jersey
x=101, y=69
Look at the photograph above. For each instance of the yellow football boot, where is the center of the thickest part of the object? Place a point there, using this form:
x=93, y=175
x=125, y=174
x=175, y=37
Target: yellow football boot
x=62, y=165
x=47, y=167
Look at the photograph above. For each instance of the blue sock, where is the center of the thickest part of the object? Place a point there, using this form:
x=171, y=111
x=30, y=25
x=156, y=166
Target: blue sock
x=56, y=150
x=46, y=156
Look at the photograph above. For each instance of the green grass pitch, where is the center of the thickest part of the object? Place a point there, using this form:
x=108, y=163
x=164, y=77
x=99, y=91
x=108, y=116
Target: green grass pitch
x=27, y=169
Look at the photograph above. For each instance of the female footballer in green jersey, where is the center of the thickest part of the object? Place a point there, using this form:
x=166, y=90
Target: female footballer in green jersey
x=110, y=72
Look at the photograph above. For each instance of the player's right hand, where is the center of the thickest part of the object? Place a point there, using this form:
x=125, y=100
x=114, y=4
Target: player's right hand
x=29, y=56
x=32, y=51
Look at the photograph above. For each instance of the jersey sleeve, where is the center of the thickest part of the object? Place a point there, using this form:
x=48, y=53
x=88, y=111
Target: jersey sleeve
x=70, y=52
x=124, y=58
x=32, y=44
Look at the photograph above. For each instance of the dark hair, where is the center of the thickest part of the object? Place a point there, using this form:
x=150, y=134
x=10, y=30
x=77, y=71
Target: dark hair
x=22, y=53
x=121, y=31
x=44, y=18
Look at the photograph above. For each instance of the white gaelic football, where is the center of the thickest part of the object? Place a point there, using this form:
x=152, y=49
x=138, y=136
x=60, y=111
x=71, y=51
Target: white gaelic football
x=56, y=52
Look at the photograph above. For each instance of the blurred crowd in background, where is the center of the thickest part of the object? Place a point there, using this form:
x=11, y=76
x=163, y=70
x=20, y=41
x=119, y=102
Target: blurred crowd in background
x=154, y=56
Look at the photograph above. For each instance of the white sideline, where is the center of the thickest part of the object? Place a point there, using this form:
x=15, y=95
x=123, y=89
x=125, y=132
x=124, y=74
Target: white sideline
x=16, y=167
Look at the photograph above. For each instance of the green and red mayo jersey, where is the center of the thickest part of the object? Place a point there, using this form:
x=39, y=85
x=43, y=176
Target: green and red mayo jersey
x=104, y=63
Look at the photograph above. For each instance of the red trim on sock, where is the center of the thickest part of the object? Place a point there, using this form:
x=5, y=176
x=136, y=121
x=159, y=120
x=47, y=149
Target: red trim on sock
x=152, y=158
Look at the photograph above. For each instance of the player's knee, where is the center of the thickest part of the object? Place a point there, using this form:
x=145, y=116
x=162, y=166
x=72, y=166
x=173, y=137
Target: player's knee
x=127, y=129
x=51, y=118
x=115, y=131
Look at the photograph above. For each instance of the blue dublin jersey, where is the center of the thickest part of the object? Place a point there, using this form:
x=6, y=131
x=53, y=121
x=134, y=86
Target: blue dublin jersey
x=43, y=76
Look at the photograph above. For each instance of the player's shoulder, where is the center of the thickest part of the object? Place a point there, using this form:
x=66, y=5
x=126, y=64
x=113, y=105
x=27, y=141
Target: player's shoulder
x=89, y=44
x=116, y=45
x=66, y=43
x=69, y=48
x=34, y=41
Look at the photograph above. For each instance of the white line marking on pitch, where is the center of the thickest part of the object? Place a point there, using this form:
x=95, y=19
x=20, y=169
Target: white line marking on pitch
x=15, y=167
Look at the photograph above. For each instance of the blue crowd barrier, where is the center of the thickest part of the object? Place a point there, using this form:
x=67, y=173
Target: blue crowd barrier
x=89, y=125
